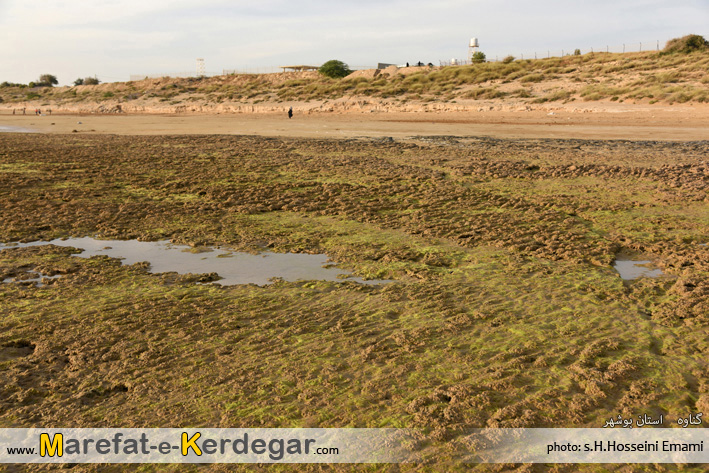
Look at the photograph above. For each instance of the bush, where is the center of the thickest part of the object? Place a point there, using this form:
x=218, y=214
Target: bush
x=478, y=57
x=508, y=59
x=532, y=78
x=47, y=80
x=577, y=52
x=335, y=69
x=686, y=44
x=87, y=81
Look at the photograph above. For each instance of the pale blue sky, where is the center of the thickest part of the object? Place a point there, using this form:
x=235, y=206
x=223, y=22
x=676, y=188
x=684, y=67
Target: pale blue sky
x=116, y=38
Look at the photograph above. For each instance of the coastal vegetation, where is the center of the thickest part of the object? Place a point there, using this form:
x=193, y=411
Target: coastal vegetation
x=678, y=74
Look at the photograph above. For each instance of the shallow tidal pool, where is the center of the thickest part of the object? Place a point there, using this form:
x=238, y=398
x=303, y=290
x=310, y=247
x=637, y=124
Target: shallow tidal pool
x=233, y=267
x=634, y=269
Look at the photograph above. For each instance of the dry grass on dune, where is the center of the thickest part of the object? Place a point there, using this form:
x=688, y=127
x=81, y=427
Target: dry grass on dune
x=676, y=75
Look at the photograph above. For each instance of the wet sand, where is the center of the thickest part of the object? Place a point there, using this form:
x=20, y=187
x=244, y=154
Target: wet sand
x=673, y=123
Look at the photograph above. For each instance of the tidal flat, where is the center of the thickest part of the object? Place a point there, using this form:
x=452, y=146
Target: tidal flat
x=506, y=310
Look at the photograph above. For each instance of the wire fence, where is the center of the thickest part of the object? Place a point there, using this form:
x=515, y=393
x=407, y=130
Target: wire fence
x=173, y=75
x=226, y=72
x=631, y=47
x=638, y=46
x=252, y=70
x=272, y=70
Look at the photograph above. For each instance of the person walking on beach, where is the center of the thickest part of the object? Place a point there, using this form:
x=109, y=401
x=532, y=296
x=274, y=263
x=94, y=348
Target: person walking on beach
x=290, y=112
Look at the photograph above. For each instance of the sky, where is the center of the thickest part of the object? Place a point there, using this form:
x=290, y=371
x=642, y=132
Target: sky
x=114, y=39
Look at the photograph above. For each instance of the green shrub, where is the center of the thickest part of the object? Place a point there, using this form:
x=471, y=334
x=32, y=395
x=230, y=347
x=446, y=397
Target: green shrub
x=577, y=52
x=87, y=81
x=508, y=59
x=335, y=69
x=478, y=57
x=686, y=44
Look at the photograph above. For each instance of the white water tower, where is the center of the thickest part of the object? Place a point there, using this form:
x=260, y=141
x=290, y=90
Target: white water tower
x=201, y=70
x=473, y=47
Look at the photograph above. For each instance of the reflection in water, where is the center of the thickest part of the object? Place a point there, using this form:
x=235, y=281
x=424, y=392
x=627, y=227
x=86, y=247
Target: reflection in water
x=233, y=267
x=14, y=129
x=629, y=269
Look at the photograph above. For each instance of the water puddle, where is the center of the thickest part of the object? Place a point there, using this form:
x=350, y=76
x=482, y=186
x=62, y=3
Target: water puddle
x=233, y=267
x=38, y=280
x=14, y=129
x=633, y=269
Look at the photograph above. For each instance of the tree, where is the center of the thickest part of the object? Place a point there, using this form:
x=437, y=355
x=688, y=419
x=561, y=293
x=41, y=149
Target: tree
x=335, y=69
x=79, y=81
x=47, y=80
x=478, y=57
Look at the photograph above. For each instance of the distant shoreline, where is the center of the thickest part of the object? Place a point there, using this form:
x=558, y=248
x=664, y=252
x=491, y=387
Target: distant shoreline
x=595, y=121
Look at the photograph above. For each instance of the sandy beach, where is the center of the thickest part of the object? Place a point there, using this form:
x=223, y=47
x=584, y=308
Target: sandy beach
x=609, y=121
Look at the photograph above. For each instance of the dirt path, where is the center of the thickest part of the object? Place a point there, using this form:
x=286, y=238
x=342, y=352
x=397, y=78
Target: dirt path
x=682, y=123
